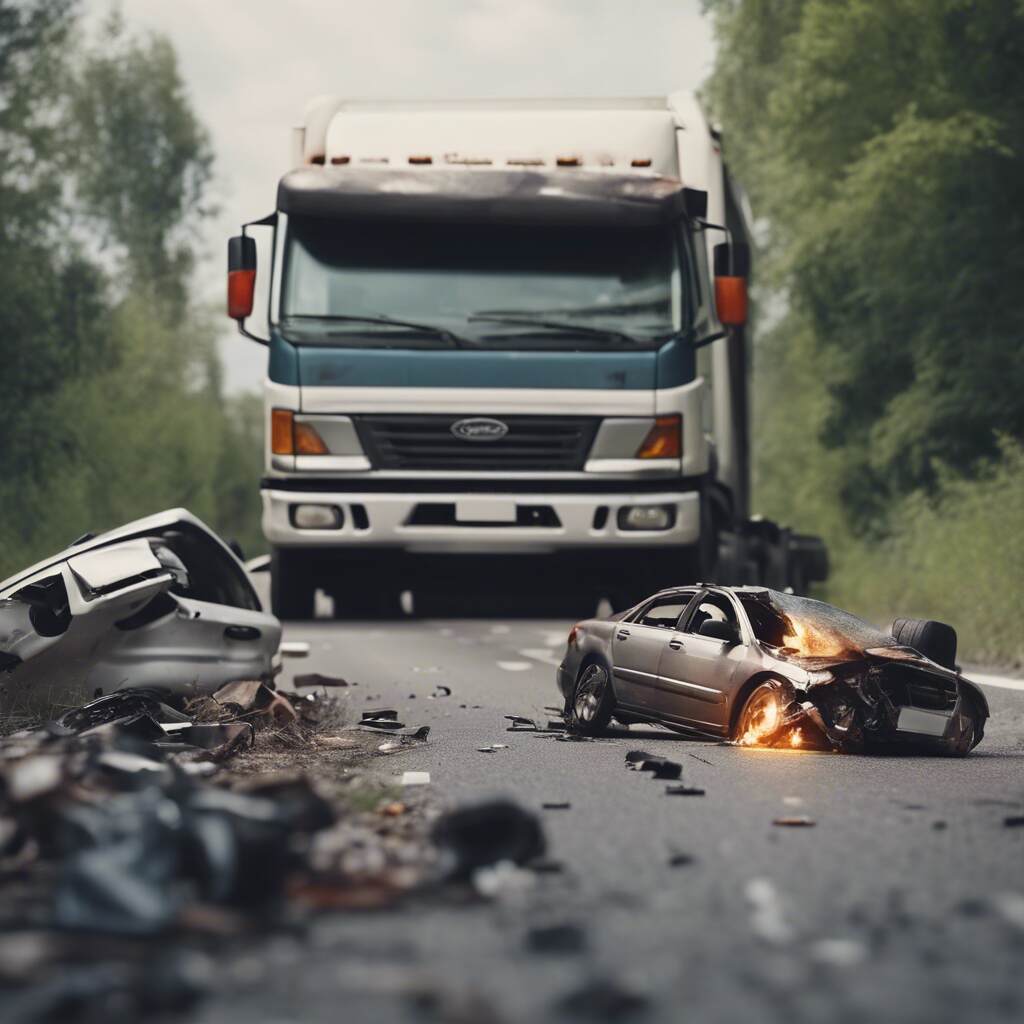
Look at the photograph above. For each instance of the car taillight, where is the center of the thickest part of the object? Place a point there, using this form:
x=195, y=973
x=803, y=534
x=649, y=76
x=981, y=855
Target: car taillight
x=574, y=634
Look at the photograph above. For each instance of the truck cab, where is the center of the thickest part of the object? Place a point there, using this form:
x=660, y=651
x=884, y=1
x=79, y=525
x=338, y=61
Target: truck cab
x=499, y=348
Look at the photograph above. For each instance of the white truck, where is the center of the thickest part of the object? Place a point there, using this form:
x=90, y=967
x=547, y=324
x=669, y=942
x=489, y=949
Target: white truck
x=507, y=355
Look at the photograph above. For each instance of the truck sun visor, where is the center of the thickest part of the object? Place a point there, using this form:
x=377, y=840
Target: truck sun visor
x=523, y=196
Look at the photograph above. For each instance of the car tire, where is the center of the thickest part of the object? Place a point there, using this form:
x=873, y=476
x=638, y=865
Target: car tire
x=593, y=701
x=292, y=589
x=757, y=695
x=935, y=640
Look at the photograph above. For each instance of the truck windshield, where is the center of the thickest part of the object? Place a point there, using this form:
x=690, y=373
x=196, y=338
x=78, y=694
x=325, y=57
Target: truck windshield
x=432, y=284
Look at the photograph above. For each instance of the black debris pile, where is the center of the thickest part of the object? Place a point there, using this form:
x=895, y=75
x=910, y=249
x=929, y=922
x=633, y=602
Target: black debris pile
x=481, y=835
x=659, y=767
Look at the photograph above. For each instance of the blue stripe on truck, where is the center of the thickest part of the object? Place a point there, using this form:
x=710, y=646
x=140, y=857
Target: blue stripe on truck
x=320, y=366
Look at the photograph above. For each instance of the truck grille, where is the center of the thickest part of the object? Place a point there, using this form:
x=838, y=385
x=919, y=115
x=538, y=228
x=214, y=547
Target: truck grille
x=427, y=442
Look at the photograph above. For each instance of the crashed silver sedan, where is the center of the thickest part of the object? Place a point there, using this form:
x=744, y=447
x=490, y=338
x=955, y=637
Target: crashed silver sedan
x=161, y=603
x=769, y=669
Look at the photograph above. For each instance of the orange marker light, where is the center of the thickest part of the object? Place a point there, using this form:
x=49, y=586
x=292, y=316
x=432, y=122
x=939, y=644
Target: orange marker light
x=308, y=441
x=664, y=440
x=281, y=440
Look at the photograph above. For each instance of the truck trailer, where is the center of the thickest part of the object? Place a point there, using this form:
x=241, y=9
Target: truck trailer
x=507, y=354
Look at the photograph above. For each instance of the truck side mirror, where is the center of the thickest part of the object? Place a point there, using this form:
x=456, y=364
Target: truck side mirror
x=732, y=265
x=241, y=276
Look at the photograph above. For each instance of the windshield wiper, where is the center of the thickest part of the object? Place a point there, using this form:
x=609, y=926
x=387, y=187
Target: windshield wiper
x=555, y=325
x=432, y=330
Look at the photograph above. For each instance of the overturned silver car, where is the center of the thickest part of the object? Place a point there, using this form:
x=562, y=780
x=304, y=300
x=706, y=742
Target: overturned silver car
x=161, y=603
x=770, y=669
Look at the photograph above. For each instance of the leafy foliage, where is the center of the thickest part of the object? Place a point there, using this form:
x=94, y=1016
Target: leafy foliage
x=882, y=143
x=112, y=406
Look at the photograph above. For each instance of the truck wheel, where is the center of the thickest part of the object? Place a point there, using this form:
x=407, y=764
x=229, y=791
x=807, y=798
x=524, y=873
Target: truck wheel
x=292, y=588
x=935, y=640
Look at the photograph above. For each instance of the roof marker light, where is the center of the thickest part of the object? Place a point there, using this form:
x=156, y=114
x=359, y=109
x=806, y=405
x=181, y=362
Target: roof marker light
x=339, y=160
x=421, y=159
x=568, y=161
x=641, y=162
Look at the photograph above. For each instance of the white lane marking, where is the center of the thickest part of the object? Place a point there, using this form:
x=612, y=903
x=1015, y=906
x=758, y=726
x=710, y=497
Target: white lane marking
x=1002, y=682
x=515, y=666
x=541, y=654
x=552, y=639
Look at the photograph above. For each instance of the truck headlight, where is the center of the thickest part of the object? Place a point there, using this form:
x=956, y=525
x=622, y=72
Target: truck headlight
x=647, y=517
x=316, y=517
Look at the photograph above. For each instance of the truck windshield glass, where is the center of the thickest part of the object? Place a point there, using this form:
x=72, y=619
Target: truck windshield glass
x=488, y=285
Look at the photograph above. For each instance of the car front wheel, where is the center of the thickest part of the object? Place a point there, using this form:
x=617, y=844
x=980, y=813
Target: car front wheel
x=592, y=700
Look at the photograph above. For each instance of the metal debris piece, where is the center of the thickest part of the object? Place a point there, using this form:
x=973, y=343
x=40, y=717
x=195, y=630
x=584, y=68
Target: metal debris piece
x=521, y=724
x=1014, y=821
x=556, y=938
x=483, y=834
x=795, y=821
x=659, y=767
x=553, y=805
x=492, y=748
x=243, y=692
x=311, y=679
x=441, y=691
x=681, y=860
x=703, y=760
x=682, y=790
x=383, y=719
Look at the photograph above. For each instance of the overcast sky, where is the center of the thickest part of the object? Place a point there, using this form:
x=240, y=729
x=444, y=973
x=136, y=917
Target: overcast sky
x=251, y=65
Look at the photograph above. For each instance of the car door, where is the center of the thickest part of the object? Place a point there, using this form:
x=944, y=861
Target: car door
x=695, y=672
x=637, y=645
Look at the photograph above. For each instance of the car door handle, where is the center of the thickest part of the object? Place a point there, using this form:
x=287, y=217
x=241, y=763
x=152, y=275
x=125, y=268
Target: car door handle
x=623, y=634
x=242, y=633
x=676, y=643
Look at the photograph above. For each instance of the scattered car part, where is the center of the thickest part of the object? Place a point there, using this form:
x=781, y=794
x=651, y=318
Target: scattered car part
x=160, y=603
x=659, y=767
x=483, y=834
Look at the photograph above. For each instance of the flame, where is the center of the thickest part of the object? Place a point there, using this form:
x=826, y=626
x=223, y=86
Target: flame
x=795, y=739
x=810, y=642
x=764, y=725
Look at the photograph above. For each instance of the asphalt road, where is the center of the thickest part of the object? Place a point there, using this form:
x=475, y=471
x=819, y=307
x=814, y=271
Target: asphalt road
x=904, y=902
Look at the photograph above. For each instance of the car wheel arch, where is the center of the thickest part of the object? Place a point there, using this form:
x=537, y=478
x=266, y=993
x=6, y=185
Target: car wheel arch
x=744, y=692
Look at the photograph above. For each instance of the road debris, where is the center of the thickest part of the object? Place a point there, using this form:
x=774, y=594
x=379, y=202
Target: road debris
x=556, y=805
x=415, y=778
x=795, y=821
x=1014, y=821
x=603, y=998
x=659, y=767
x=143, y=605
x=556, y=938
x=312, y=679
x=483, y=834
x=681, y=860
x=521, y=724
x=492, y=748
x=682, y=790
x=441, y=691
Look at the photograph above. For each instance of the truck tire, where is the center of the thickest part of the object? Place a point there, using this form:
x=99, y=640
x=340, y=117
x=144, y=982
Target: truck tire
x=935, y=640
x=292, y=588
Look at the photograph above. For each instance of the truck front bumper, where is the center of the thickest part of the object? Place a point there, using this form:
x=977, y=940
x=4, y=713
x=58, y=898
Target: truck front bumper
x=457, y=522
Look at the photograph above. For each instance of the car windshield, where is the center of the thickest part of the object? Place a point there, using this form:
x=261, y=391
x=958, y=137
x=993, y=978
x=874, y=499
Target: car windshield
x=437, y=285
x=805, y=628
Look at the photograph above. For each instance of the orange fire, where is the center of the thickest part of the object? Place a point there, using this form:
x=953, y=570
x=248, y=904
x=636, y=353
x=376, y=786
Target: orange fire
x=795, y=738
x=810, y=642
x=764, y=725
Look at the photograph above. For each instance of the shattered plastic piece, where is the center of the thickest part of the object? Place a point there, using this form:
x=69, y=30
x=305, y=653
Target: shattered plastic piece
x=795, y=821
x=683, y=791
x=681, y=860
x=492, y=748
x=556, y=938
x=244, y=693
x=415, y=778
x=521, y=724
x=1014, y=821
x=125, y=704
x=562, y=805
x=316, y=679
x=659, y=767
x=483, y=834
x=442, y=691
x=504, y=880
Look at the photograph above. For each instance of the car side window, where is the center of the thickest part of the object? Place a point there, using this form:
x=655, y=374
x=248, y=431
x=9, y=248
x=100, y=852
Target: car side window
x=212, y=576
x=712, y=607
x=664, y=613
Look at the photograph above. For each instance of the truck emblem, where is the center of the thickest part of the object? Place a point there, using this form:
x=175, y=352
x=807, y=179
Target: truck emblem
x=479, y=428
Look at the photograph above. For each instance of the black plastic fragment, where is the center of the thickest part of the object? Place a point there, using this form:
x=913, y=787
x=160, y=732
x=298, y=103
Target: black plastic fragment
x=556, y=938
x=484, y=834
x=659, y=767
x=682, y=790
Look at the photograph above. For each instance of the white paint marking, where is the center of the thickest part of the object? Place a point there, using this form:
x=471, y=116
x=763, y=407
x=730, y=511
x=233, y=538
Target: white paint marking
x=515, y=666
x=541, y=654
x=1002, y=682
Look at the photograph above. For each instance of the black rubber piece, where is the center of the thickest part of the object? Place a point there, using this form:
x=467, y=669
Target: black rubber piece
x=935, y=640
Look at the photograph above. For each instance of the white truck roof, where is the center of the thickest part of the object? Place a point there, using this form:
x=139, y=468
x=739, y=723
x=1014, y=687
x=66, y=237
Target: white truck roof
x=666, y=135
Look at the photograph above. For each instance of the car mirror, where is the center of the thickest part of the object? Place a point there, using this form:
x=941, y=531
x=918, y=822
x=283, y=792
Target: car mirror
x=719, y=630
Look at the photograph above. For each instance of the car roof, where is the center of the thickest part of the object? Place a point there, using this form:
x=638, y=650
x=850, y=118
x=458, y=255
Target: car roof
x=159, y=521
